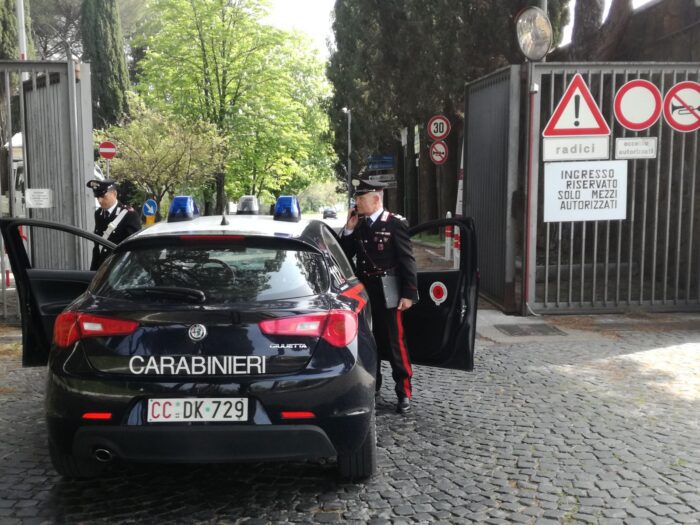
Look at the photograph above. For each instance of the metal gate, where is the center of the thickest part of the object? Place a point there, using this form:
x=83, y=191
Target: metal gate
x=651, y=259
x=46, y=138
x=491, y=168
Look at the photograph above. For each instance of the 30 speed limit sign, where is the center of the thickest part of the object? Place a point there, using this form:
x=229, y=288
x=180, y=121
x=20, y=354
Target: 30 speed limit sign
x=438, y=127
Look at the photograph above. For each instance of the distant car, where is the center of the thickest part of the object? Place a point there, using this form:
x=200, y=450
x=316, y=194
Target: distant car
x=330, y=213
x=287, y=208
x=248, y=205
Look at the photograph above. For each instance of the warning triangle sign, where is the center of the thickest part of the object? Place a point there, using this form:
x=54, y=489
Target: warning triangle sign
x=577, y=114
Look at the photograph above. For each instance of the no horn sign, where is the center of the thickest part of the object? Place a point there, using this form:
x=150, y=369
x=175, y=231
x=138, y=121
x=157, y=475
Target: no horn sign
x=438, y=152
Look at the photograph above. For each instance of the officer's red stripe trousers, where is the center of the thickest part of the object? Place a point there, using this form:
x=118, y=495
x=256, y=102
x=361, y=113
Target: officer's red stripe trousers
x=404, y=354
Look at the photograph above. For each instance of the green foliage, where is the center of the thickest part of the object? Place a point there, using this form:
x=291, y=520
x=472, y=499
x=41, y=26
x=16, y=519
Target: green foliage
x=103, y=47
x=397, y=62
x=263, y=91
x=318, y=196
x=9, y=47
x=162, y=154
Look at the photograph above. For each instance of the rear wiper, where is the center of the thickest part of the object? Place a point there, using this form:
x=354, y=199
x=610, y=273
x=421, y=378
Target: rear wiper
x=169, y=292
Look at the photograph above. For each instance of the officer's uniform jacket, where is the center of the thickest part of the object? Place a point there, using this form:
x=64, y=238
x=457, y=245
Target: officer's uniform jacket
x=129, y=223
x=384, y=248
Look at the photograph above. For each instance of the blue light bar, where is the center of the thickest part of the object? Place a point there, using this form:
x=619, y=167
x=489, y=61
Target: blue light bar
x=183, y=208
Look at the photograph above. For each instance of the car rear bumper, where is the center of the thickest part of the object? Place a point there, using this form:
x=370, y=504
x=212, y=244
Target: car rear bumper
x=205, y=444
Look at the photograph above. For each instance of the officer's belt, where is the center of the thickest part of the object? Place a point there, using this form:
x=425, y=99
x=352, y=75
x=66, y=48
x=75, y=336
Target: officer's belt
x=378, y=273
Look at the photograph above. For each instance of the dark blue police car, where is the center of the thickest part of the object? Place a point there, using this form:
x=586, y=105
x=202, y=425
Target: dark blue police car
x=220, y=339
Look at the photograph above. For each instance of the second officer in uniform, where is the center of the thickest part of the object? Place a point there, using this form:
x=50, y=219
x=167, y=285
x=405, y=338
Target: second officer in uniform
x=381, y=244
x=114, y=221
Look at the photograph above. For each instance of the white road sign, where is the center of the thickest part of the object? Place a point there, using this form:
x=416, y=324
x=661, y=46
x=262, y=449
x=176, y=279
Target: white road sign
x=585, y=191
x=439, y=127
x=39, y=198
x=682, y=106
x=635, y=148
x=638, y=105
x=575, y=148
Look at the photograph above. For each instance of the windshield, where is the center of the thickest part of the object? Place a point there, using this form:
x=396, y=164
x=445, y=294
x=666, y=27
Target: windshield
x=224, y=275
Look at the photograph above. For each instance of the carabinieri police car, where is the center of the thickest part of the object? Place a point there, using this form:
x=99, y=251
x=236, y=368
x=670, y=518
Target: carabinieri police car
x=216, y=339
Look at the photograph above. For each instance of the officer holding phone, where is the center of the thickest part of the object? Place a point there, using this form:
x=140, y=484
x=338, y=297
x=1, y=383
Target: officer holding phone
x=114, y=220
x=380, y=242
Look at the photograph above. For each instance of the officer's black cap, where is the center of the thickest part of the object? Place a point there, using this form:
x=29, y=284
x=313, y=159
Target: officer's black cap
x=365, y=186
x=100, y=187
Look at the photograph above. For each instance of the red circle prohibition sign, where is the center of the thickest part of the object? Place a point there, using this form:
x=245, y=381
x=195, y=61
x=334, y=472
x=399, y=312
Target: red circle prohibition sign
x=682, y=106
x=439, y=119
x=438, y=152
x=632, y=105
x=107, y=150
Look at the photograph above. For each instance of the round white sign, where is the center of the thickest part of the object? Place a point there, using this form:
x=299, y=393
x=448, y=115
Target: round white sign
x=638, y=105
x=682, y=106
x=438, y=127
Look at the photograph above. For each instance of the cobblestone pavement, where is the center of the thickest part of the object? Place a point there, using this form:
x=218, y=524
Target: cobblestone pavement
x=605, y=430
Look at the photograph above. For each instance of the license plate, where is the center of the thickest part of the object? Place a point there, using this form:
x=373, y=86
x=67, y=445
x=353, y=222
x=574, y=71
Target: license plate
x=197, y=409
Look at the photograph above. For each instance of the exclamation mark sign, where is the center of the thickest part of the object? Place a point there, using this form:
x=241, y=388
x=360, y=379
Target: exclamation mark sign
x=577, y=105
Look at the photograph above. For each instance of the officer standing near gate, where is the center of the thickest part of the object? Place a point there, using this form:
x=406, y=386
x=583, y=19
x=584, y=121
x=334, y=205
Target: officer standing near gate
x=381, y=243
x=114, y=221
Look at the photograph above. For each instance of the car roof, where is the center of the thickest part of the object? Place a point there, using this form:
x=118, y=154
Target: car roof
x=258, y=225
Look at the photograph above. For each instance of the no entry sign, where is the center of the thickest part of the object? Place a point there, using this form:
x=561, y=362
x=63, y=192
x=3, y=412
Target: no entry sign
x=638, y=105
x=107, y=150
x=682, y=106
x=438, y=152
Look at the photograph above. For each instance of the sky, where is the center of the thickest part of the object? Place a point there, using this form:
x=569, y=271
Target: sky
x=313, y=17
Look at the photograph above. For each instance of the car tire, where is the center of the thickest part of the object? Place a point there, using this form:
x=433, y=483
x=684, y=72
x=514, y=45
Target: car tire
x=361, y=463
x=69, y=466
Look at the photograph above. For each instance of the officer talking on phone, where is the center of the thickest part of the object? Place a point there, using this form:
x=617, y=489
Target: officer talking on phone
x=386, y=266
x=114, y=221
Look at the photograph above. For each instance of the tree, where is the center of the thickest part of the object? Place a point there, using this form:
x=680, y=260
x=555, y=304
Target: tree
x=212, y=60
x=103, y=47
x=9, y=47
x=397, y=62
x=57, y=23
x=161, y=154
x=284, y=143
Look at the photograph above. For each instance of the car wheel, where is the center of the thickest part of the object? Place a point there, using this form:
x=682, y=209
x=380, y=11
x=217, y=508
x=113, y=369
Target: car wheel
x=362, y=463
x=69, y=466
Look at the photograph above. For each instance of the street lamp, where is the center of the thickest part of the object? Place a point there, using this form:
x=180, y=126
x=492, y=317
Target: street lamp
x=348, y=112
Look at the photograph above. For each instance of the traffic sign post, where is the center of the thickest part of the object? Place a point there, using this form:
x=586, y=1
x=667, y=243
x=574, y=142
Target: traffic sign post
x=682, y=107
x=438, y=152
x=150, y=207
x=439, y=127
x=576, y=129
x=107, y=151
x=577, y=114
x=638, y=105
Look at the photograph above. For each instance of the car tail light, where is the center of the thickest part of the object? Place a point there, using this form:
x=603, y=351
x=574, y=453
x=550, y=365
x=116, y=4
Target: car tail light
x=337, y=327
x=71, y=326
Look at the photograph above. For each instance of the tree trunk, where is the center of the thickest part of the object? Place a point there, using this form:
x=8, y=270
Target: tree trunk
x=587, y=20
x=219, y=178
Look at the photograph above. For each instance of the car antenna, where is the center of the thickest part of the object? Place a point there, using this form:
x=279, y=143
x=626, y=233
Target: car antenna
x=224, y=220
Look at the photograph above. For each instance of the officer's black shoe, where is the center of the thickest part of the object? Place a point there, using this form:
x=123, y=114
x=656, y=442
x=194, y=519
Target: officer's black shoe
x=403, y=406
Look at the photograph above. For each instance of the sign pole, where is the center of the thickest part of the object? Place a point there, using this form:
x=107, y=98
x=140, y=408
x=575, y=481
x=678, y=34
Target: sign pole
x=107, y=160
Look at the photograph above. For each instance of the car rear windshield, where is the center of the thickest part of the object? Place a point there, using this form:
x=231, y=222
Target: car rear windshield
x=224, y=274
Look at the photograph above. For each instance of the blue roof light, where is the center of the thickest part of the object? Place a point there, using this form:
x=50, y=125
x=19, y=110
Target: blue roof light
x=183, y=208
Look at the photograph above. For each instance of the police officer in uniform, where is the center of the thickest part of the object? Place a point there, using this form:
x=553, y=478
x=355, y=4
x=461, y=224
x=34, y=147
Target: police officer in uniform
x=380, y=242
x=114, y=221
